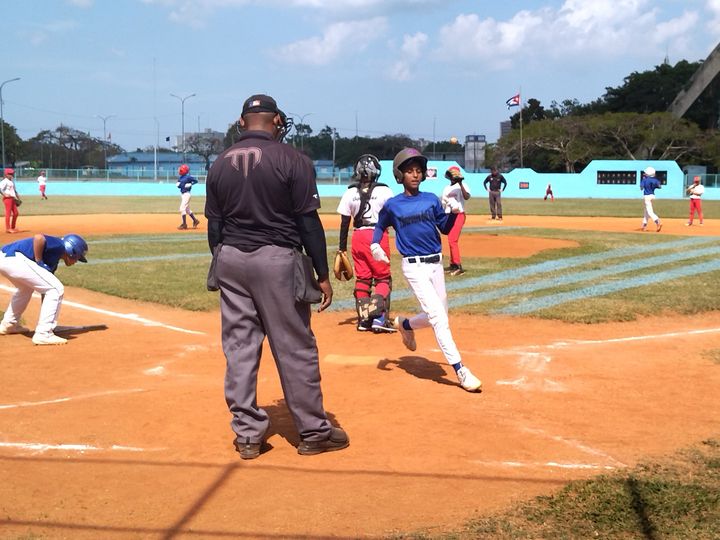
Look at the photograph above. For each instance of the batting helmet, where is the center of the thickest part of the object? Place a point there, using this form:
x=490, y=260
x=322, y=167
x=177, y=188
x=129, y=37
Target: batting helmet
x=75, y=247
x=367, y=167
x=649, y=171
x=405, y=155
x=183, y=170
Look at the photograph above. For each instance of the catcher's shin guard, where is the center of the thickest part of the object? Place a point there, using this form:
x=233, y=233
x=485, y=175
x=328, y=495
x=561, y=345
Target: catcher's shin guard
x=362, y=302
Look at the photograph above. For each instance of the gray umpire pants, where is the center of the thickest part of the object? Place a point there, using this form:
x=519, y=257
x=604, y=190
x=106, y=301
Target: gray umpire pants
x=495, y=204
x=257, y=300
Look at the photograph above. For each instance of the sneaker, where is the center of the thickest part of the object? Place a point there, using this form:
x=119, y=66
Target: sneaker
x=7, y=329
x=499, y=219
x=467, y=380
x=659, y=227
x=48, y=339
x=408, y=336
x=247, y=450
x=364, y=326
x=337, y=440
x=182, y=227
x=381, y=324
x=458, y=271
x=688, y=224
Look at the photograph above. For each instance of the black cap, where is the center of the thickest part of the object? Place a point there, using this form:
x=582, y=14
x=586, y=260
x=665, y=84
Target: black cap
x=259, y=103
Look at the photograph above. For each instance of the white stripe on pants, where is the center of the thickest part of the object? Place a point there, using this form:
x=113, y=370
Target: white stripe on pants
x=29, y=277
x=427, y=281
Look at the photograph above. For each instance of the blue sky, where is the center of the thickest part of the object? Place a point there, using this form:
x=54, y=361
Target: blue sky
x=424, y=68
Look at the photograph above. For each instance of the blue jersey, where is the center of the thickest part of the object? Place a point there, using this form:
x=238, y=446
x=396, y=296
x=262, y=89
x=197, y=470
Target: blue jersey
x=649, y=184
x=416, y=219
x=51, y=255
x=186, y=182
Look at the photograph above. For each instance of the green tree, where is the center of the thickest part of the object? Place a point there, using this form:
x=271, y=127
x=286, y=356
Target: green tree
x=13, y=143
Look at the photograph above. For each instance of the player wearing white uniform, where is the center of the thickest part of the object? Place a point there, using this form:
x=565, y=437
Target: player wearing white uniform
x=30, y=265
x=361, y=204
x=418, y=219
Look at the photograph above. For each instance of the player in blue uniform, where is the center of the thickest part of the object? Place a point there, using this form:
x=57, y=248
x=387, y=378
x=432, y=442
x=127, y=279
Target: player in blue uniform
x=648, y=184
x=185, y=184
x=30, y=265
x=418, y=218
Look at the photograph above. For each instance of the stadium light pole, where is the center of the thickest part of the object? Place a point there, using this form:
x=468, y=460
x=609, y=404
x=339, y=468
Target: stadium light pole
x=2, y=119
x=302, y=121
x=182, y=102
x=104, y=120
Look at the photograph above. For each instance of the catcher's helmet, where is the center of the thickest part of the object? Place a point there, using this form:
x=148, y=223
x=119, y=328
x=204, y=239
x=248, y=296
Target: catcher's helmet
x=649, y=171
x=405, y=155
x=75, y=247
x=285, y=126
x=183, y=169
x=367, y=167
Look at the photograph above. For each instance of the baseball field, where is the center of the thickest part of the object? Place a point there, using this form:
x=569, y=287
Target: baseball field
x=598, y=346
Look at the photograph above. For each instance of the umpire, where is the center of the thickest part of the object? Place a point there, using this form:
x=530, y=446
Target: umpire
x=261, y=206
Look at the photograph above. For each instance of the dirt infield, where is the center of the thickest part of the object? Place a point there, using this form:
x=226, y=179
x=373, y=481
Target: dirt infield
x=124, y=433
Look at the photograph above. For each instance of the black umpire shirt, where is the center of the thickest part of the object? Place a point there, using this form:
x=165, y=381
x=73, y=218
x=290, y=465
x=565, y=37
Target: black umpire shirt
x=255, y=189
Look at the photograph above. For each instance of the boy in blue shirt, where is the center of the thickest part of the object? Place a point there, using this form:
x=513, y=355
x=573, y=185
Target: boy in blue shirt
x=648, y=184
x=30, y=265
x=418, y=219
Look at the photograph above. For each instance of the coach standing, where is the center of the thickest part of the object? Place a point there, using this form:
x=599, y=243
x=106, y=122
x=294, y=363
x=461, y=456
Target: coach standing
x=495, y=184
x=261, y=206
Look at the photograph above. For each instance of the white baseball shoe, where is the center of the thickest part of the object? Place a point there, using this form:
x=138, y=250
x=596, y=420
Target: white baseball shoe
x=7, y=329
x=48, y=339
x=468, y=381
x=408, y=336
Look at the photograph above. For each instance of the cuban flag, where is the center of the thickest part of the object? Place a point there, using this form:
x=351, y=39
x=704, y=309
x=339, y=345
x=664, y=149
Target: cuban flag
x=513, y=101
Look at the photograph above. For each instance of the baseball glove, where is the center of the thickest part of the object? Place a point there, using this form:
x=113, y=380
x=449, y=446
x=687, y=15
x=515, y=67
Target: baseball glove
x=342, y=268
x=18, y=202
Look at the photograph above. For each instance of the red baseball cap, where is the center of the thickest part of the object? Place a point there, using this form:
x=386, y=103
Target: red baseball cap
x=9, y=171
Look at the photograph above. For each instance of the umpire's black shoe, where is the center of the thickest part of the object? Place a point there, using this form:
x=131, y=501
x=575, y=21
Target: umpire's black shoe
x=337, y=441
x=247, y=450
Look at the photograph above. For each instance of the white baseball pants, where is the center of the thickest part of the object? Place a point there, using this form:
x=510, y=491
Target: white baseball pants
x=649, y=213
x=185, y=203
x=427, y=281
x=30, y=277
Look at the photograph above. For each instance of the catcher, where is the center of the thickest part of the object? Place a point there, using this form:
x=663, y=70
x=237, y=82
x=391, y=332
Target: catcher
x=361, y=204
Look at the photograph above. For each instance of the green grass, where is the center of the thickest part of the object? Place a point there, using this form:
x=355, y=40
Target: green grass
x=677, y=497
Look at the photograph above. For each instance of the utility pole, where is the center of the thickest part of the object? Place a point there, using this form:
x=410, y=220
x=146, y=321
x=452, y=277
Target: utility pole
x=104, y=120
x=2, y=119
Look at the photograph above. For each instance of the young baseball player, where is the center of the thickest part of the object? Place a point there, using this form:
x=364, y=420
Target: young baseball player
x=185, y=184
x=418, y=219
x=453, y=202
x=11, y=200
x=30, y=265
x=42, y=184
x=361, y=204
x=695, y=191
x=648, y=184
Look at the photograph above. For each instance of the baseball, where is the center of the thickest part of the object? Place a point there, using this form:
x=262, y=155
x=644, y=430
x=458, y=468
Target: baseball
x=453, y=140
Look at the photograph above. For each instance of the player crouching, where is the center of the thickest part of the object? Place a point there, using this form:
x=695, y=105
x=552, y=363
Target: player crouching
x=30, y=265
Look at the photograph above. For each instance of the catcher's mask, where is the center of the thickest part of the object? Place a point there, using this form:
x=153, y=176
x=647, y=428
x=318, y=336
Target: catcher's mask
x=405, y=155
x=75, y=247
x=367, y=169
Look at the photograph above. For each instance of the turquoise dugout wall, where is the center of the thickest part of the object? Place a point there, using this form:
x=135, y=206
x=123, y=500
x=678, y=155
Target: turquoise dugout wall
x=521, y=183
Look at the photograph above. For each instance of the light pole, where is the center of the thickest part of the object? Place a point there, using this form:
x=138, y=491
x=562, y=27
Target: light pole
x=334, y=137
x=105, y=119
x=182, y=102
x=302, y=122
x=2, y=119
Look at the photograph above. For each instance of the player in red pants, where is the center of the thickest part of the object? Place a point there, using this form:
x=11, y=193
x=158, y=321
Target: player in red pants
x=11, y=200
x=361, y=204
x=695, y=191
x=453, y=202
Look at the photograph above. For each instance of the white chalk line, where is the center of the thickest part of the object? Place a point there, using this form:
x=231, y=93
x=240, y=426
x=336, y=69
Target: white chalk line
x=574, y=444
x=40, y=448
x=546, y=464
x=68, y=398
x=127, y=316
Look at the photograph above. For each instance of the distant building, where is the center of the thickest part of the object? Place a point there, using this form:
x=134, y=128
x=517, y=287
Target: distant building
x=202, y=135
x=142, y=164
x=475, y=153
x=505, y=128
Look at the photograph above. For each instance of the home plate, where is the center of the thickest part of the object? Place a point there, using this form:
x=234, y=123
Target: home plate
x=350, y=359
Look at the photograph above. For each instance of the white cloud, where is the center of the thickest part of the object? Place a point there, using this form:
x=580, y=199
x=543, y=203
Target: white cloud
x=411, y=51
x=82, y=3
x=714, y=8
x=337, y=40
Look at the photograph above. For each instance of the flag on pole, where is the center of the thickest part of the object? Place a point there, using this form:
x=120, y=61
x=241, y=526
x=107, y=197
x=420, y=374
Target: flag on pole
x=109, y=136
x=513, y=101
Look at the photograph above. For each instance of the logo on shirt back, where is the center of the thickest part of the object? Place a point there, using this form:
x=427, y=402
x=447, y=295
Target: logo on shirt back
x=245, y=158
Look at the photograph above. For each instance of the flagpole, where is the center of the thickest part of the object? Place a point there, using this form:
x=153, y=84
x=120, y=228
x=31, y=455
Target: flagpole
x=521, y=137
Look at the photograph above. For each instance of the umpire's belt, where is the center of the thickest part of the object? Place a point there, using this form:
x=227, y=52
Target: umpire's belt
x=426, y=259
